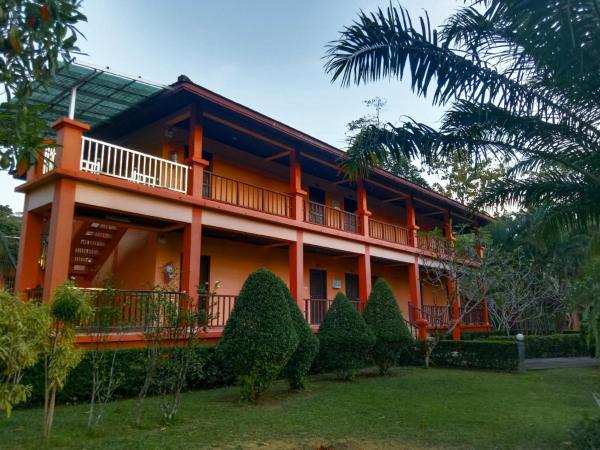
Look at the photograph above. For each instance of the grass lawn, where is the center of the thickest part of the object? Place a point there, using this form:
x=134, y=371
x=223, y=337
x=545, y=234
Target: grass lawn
x=413, y=408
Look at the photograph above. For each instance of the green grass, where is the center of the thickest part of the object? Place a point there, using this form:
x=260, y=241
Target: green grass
x=413, y=408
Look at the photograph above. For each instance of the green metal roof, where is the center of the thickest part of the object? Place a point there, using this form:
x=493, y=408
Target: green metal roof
x=100, y=93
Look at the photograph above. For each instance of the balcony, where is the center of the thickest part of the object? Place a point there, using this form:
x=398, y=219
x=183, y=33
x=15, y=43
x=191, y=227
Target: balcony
x=248, y=196
x=440, y=316
x=316, y=308
x=119, y=162
x=388, y=232
x=319, y=214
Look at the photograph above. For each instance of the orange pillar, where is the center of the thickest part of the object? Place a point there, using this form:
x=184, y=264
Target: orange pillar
x=29, y=274
x=298, y=194
x=190, y=261
x=68, y=154
x=59, y=236
x=411, y=222
x=296, y=256
x=455, y=305
x=362, y=208
x=364, y=277
x=414, y=283
x=195, y=161
x=68, y=139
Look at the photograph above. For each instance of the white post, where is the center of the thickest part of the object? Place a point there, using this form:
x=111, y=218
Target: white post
x=73, y=102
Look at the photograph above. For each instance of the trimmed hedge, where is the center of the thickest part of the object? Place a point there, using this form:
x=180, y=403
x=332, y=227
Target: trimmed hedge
x=130, y=366
x=384, y=318
x=259, y=336
x=299, y=363
x=345, y=339
x=555, y=345
x=552, y=345
x=482, y=354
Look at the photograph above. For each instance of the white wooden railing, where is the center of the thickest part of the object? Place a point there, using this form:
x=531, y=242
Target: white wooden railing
x=48, y=160
x=131, y=165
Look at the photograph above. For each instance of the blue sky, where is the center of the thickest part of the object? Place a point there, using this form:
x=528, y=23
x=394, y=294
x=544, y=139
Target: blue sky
x=265, y=54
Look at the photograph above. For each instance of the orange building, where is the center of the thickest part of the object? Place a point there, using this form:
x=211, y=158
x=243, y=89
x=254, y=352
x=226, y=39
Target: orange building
x=180, y=187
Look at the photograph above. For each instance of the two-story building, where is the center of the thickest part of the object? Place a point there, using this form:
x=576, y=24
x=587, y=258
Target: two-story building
x=181, y=187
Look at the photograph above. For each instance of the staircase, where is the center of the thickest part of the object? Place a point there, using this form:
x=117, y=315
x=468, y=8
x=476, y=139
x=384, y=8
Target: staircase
x=91, y=246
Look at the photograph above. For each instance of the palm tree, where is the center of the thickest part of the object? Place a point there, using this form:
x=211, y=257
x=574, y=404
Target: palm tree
x=520, y=80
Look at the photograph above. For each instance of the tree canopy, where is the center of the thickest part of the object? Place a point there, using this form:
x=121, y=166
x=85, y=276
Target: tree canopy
x=519, y=79
x=34, y=37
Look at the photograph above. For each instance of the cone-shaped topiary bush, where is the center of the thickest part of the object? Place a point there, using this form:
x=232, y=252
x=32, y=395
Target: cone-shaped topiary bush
x=345, y=339
x=308, y=345
x=259, y=337
x=384, y=318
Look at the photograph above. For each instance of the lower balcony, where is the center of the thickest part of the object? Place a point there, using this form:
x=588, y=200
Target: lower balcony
x=439, y=317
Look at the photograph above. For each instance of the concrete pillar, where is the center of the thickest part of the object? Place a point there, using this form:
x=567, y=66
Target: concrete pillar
x=296, y=265
x=364, y=277
x=191, y=254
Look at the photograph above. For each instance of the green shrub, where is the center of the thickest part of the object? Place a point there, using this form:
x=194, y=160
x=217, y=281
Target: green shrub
x=308, y=345
x=345, y=339
x=259, y=337
x=129, y=366
x=483, y=354
x=552, y=345
x=586, y=434
x=384, y=318
x=555, y=346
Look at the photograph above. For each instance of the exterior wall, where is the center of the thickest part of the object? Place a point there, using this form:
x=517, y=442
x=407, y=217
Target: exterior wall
x=397, y=278
x=336, y=268
x=432, y=294
x=132, y=263
x=231, y=262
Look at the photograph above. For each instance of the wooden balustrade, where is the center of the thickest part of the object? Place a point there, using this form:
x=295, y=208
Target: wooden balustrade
x=234, y=192
x=133, y=309
x=217, y=307
x=316, y=308
x=108, y=159
x=435, y=245
x=388, y=232
x=327, y=216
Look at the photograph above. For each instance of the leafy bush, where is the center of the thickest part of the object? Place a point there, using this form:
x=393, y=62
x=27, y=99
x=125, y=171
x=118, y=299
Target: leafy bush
x=130, y=368
x=23, y=340
x=555, y=345
x=483, y=354
x=586, y=435
x=345, y=339
x=552, y=345
x=259, y=337
x=384, y=318
x=308, y=345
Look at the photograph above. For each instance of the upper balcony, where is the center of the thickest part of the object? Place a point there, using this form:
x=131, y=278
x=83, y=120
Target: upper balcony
x=103, y=158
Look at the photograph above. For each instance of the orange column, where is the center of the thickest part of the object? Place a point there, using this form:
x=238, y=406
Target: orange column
x=364, y=276
x=191, y=253
x=195, y=161
x=68, y=154
x=296, y=255
x=448, y=232
x=414, y=282
x=411, y=221
x=362, y=208
x=68, y=139
x=298, y=194
x=28, y=269
x=59, y=236
x=455, y=305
